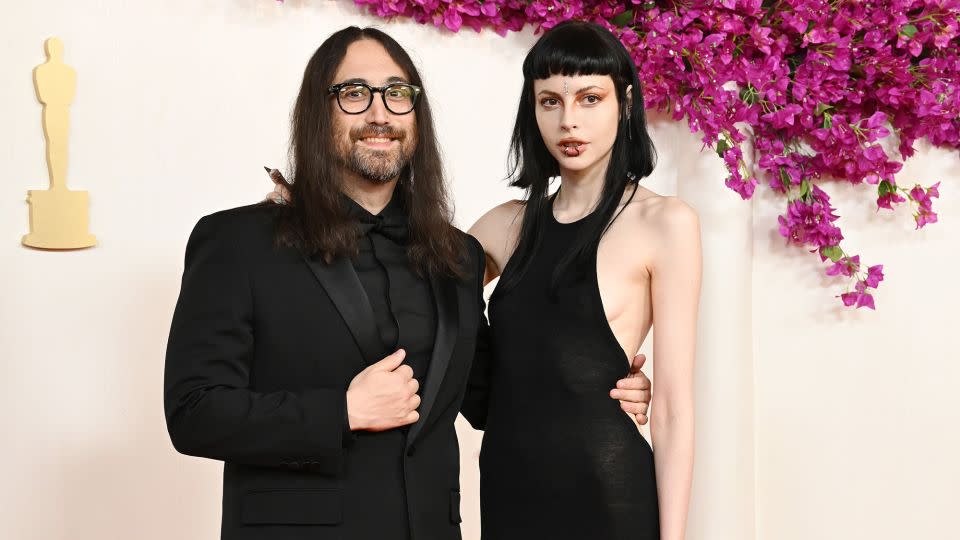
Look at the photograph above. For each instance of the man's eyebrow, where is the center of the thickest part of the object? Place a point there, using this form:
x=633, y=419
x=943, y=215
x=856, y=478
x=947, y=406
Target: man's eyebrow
x=394, y=79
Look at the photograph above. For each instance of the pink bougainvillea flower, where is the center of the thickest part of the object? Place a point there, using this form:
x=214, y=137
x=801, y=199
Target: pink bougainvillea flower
x=874, y=276
x=858, y=299
x=847, y=266
x=816, y=86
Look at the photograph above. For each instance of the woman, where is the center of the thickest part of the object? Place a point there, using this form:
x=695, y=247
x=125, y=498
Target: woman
x=583, y=274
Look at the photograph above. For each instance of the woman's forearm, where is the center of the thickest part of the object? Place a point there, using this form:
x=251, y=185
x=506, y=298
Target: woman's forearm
x=673, y=438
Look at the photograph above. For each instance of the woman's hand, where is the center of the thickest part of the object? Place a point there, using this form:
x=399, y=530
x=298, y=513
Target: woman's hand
x=281, y=189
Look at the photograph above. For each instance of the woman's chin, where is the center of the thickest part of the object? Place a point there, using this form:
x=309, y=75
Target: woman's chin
x=575, y=163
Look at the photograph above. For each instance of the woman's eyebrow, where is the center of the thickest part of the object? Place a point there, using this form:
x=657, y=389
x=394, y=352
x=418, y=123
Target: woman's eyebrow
x=580, y=91
x=591, y=87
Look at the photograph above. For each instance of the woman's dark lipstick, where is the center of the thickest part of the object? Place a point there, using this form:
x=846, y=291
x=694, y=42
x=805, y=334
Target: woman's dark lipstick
x=571, y=146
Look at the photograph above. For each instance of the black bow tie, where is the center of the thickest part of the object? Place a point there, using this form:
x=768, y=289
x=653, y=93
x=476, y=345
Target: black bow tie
x=391, y=226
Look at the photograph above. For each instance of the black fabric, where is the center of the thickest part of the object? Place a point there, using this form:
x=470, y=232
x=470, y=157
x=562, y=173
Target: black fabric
x=560, y=459
x=262, y=347
x=401, y=300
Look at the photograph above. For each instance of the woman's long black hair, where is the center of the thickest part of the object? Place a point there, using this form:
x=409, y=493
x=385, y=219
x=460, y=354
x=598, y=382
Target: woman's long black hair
x=574, y=48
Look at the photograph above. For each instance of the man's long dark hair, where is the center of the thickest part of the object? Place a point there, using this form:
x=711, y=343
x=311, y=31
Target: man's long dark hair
x=574, y=48
x=315, y=220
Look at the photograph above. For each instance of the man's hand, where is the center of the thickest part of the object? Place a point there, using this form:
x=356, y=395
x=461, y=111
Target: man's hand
x=633, y=391
x=383, y=396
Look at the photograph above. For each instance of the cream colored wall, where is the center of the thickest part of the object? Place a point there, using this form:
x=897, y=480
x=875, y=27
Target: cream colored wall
x=180, y=103
x=857, y=411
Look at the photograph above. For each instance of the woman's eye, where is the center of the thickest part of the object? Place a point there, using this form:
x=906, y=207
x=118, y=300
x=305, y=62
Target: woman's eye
x=590, y=99
x=548, y=102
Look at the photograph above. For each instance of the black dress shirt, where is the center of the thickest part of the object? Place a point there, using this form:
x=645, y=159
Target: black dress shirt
x=401, y=300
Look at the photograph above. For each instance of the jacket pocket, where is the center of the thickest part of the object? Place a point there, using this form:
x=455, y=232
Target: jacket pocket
x=455, y=507
x=292, y=507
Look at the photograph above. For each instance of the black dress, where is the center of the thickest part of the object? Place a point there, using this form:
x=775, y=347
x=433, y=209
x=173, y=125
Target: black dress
x=560, y=459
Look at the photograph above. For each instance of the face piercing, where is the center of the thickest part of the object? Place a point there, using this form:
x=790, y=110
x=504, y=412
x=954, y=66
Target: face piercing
x=572, y=151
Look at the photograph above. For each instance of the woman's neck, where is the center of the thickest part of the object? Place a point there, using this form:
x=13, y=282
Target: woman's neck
x=580, y=191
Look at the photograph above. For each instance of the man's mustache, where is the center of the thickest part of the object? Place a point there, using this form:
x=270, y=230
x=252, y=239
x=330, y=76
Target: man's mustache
x=378, y=131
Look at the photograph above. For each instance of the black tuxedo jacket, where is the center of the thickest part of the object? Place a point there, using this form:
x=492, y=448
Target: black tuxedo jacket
x=263, y=345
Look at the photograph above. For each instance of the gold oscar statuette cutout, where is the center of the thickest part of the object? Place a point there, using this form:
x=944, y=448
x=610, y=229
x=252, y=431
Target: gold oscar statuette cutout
x=59, y=217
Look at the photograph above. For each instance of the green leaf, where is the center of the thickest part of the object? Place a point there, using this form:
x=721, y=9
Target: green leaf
x=884, y=188
x=784, y=178
x=822, y=108
x=810, y=26
x=908, y=30
x=623, y=19
x=722, y=147
x=804, y=188
x=834, y=253
x=827, y=120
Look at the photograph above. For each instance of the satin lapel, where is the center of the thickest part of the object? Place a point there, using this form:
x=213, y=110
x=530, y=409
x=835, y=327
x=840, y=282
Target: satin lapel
x=344, y=288
x=448, y=326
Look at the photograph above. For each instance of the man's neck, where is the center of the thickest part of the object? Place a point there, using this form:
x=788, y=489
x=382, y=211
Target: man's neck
x=372, y=196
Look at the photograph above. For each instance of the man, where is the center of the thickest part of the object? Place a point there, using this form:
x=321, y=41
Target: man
x=322, y=348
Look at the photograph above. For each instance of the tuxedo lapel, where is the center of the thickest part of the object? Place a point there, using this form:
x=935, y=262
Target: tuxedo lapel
x=448, y=326
x=343, y=286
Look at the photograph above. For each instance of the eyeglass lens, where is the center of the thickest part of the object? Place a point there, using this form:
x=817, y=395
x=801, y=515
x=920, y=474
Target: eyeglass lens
x=399, y=98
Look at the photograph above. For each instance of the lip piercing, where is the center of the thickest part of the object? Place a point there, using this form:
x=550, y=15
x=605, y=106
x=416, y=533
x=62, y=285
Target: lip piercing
x=572, y=151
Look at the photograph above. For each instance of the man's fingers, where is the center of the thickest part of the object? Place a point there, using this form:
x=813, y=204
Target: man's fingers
x=413, y=385
x=414, y=402
x=638, y=362
x=635, y=396
x=391, y=362
x=405, y=371
x=637, y=382
x=410, y=418
x=634, y=408
x=642, y=419
x=634, y=382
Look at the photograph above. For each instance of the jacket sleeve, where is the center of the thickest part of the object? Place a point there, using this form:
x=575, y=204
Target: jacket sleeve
x=476, y=399
x=210, y=409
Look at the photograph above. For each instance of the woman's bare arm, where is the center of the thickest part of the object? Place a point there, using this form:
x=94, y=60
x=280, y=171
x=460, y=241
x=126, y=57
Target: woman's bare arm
x=498, y=231
x=675, y=291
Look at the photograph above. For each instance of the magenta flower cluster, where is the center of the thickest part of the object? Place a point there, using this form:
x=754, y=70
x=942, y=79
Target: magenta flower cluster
x=817, y=86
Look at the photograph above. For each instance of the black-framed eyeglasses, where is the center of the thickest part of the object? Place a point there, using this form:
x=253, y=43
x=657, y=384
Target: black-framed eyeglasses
x=356, y=97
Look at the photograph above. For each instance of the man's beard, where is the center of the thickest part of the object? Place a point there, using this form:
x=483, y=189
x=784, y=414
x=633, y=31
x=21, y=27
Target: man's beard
x=378, y=166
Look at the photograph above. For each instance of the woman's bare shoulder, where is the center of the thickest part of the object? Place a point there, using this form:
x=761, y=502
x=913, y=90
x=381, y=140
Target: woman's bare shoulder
x=662, y=213
x=492, y=226
x=498, y=230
